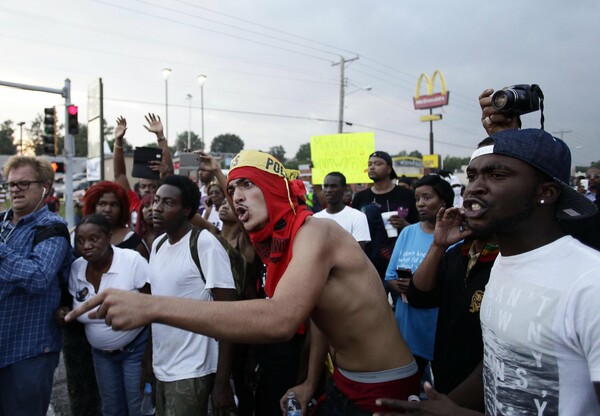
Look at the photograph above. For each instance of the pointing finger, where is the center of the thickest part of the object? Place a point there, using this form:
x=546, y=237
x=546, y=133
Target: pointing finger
x=85, y=307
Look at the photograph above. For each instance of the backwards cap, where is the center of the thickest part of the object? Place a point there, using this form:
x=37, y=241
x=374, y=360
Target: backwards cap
x=388, y=159
x=547, y=154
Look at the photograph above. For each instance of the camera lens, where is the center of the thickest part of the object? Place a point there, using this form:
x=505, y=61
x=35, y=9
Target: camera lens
x=500, y=100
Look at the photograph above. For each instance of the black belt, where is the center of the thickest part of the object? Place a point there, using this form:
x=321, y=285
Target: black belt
x=126, y=347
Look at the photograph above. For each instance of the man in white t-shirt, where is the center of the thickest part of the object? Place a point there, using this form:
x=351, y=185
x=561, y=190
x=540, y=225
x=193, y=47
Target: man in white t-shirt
x=350, y=219
x=539, y=315
x=188, y=366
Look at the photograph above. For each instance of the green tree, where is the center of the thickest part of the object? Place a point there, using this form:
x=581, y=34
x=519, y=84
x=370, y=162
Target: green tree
x=278, y=152
x=127, y=148
x=36, y=135
x=415, y=153
x=181, y=143
x=227, y=143
x=80, y=140
x=303, y=154
x=7, y=146
x=452, y=163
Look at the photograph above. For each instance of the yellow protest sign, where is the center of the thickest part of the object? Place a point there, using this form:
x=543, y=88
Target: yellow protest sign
x=347, y=153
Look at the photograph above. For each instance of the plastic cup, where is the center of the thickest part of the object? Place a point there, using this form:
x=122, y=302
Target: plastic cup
x=389, y=228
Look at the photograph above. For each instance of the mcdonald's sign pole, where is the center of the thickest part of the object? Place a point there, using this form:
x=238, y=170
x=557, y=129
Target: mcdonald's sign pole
x=431, y=100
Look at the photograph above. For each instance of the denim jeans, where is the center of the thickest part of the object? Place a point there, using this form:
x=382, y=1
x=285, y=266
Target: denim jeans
x=118, y=375
x=25, y=386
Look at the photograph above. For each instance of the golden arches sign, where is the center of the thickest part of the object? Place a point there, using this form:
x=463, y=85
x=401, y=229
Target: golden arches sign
x=431, y=100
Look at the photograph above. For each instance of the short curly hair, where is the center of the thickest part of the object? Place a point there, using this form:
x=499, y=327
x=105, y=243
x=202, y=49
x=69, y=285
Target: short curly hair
x=190, y=194
x=96, y=191
x=41, y=166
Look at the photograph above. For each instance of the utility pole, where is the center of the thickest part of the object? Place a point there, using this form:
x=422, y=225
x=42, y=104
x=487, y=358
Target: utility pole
x=342, y=65
x=562, y=133
x=189, y=138
x=21, y=137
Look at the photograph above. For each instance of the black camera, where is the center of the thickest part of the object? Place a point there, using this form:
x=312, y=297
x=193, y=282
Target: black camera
x=518, y=99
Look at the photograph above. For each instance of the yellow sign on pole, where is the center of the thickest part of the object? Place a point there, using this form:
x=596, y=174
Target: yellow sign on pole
x=431, y=161
x=347, y=153
x=431, y=117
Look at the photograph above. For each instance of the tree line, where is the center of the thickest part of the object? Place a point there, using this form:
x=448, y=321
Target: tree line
x=224, y=143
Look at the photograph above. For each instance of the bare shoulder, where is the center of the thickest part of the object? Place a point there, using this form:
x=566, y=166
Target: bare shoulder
x=319, y=231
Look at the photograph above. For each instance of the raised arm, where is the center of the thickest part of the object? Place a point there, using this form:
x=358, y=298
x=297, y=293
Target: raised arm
x=155, y=126
x=119, y=168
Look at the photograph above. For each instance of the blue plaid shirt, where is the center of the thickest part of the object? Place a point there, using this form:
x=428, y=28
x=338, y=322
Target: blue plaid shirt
x=30, y=279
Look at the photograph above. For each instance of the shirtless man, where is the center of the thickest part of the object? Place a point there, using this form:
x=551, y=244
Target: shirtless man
x=314, y=270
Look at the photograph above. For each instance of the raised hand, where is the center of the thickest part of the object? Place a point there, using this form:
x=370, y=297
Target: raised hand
x=494, y=121
x=154, y=125
x=208, y=162
x=121, y=128
x=450, y=227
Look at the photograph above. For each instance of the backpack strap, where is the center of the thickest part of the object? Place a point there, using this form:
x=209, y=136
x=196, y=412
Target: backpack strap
x=161, y=242
x=53, y=230
x=194, y=250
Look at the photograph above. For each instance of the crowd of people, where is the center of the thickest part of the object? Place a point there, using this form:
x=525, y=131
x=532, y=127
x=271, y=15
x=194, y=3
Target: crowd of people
x=226, y=294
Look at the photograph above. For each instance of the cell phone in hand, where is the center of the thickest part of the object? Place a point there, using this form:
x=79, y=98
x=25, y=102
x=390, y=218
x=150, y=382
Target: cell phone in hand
x=404, y=273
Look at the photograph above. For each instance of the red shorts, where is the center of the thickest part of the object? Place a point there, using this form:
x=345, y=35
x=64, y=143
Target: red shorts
x=396, y=384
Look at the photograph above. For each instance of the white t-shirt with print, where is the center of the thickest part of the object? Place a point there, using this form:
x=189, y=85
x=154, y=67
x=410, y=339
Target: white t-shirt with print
x=128, y=271
x=540, y=318
x=179, y=354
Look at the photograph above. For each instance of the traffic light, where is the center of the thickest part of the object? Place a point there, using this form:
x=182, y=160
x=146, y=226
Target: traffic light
x=58, y=167
x=49, y=136
x=72, y=122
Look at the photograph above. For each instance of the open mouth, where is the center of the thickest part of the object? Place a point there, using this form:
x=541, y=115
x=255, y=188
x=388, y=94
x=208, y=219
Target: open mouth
x=242, y=213
x=474, y=208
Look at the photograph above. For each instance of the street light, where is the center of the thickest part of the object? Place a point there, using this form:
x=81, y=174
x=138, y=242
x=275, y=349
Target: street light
x=201, y=80
x=166, y=72
x=21, y=137
x=189, y=98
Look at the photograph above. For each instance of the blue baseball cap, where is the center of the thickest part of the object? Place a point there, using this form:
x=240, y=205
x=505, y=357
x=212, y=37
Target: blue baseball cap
x=547, y=154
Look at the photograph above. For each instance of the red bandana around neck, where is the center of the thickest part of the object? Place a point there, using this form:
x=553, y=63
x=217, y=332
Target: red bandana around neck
x=274, y=241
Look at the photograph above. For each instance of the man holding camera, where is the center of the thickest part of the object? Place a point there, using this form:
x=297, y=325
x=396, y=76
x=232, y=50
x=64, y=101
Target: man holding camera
x=540, y=325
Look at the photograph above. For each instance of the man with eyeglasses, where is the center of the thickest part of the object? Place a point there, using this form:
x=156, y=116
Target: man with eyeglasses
x=35, y=257
x=593, y=176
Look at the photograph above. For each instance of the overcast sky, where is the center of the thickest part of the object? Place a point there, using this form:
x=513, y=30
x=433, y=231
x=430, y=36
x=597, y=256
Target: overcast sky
x=270, y=77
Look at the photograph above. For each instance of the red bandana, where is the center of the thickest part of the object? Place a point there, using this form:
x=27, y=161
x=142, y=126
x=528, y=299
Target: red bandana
x=274, y=241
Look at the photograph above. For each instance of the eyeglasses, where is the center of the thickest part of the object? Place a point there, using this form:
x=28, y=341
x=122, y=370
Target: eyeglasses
x=21, y=185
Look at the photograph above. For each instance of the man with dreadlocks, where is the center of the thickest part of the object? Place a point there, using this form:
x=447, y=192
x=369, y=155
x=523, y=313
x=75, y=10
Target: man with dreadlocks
x=316, y=272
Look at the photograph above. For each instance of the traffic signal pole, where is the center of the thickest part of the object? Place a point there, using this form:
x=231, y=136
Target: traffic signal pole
x=69, y=148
